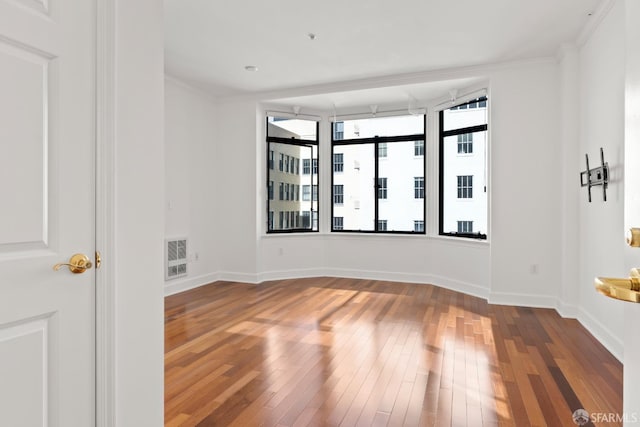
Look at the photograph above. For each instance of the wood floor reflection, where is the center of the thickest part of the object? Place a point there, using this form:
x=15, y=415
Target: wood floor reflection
x=345, y=352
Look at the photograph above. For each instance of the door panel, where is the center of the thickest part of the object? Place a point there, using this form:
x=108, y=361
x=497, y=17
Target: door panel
x=23, y=183
x=47, y=199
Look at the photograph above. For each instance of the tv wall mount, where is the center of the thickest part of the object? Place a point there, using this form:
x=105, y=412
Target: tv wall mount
x=596, y=176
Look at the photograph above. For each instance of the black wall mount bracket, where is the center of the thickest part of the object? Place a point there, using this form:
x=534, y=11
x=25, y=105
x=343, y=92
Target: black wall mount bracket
x=596, y=176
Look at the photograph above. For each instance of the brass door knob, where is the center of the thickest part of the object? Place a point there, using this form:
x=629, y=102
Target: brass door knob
x=633, y=237
x=78, y=263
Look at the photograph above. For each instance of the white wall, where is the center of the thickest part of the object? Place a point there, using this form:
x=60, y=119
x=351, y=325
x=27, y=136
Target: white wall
x=139, y=213
x=632, y=204
x=191, y=186
x=525, y=190
x=601, y=108
x=237, y=177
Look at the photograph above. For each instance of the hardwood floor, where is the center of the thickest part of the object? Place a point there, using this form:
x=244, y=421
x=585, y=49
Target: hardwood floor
x=345, y=352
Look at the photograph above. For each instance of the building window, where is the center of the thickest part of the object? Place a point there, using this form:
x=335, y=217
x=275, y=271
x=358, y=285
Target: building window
x=338, y=223
x=315, y=193
x=465, y=226
x=465, y=143
x=418, y=226
x=338, y=162
x=338, y=194
x=306, y=219
x=380, y=151
x=418, y=187
x=338, y=131
x=315, y=166
x=382, y=188
x=465, y=186
x=291, y=139
x=462, y=181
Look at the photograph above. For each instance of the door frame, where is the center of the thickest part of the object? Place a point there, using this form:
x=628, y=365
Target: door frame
x=105, y=312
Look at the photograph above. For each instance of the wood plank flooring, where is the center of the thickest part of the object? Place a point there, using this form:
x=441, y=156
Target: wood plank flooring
x=345, y=352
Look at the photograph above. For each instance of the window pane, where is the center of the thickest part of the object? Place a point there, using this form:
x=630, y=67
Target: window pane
x=401, y=170
x=356, y=183
x=291, y=128
x=381, y=126
x=285, y=203
x=458, y=118
x=464, y=195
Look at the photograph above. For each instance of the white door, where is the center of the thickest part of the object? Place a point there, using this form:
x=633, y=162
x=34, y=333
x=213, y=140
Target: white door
x=47, y=317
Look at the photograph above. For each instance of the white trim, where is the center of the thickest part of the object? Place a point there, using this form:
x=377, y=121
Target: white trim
x=289, y=115
x=391, y=80
x=522, y=300
x=600, y=332
x=231, y=276
x=604, y=335
x=186, y=284
x=291, y=274
x=105, y=214
x=609, y=340
x=594, y=21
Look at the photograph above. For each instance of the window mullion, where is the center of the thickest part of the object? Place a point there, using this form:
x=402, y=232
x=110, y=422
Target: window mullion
x=376, y=184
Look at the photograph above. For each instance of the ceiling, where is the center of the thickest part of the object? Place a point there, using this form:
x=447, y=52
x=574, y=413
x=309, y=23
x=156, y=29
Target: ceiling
x=208, y=43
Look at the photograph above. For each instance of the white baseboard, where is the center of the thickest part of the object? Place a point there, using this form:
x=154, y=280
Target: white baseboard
x=177, y=286
x=291, y=274
x=454, y=285
x=231, y=276
x=607, y=338
x=522, y=300
x=568, y=311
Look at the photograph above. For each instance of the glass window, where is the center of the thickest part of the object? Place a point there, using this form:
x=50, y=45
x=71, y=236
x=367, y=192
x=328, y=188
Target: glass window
x=465, y=187
x=291, y=140
x=338, y=194
x=382, y=188
x=418, y=226
x=389, y=153
x=382, y=149
x=338, y=131
x=465, y=226
x=418, y=187
x=338, y=223
x=465, y=143
x=463, y=171
x=338, y=162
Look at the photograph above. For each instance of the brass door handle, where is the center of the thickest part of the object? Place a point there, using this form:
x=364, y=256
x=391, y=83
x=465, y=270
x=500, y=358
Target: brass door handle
x=78, y=263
